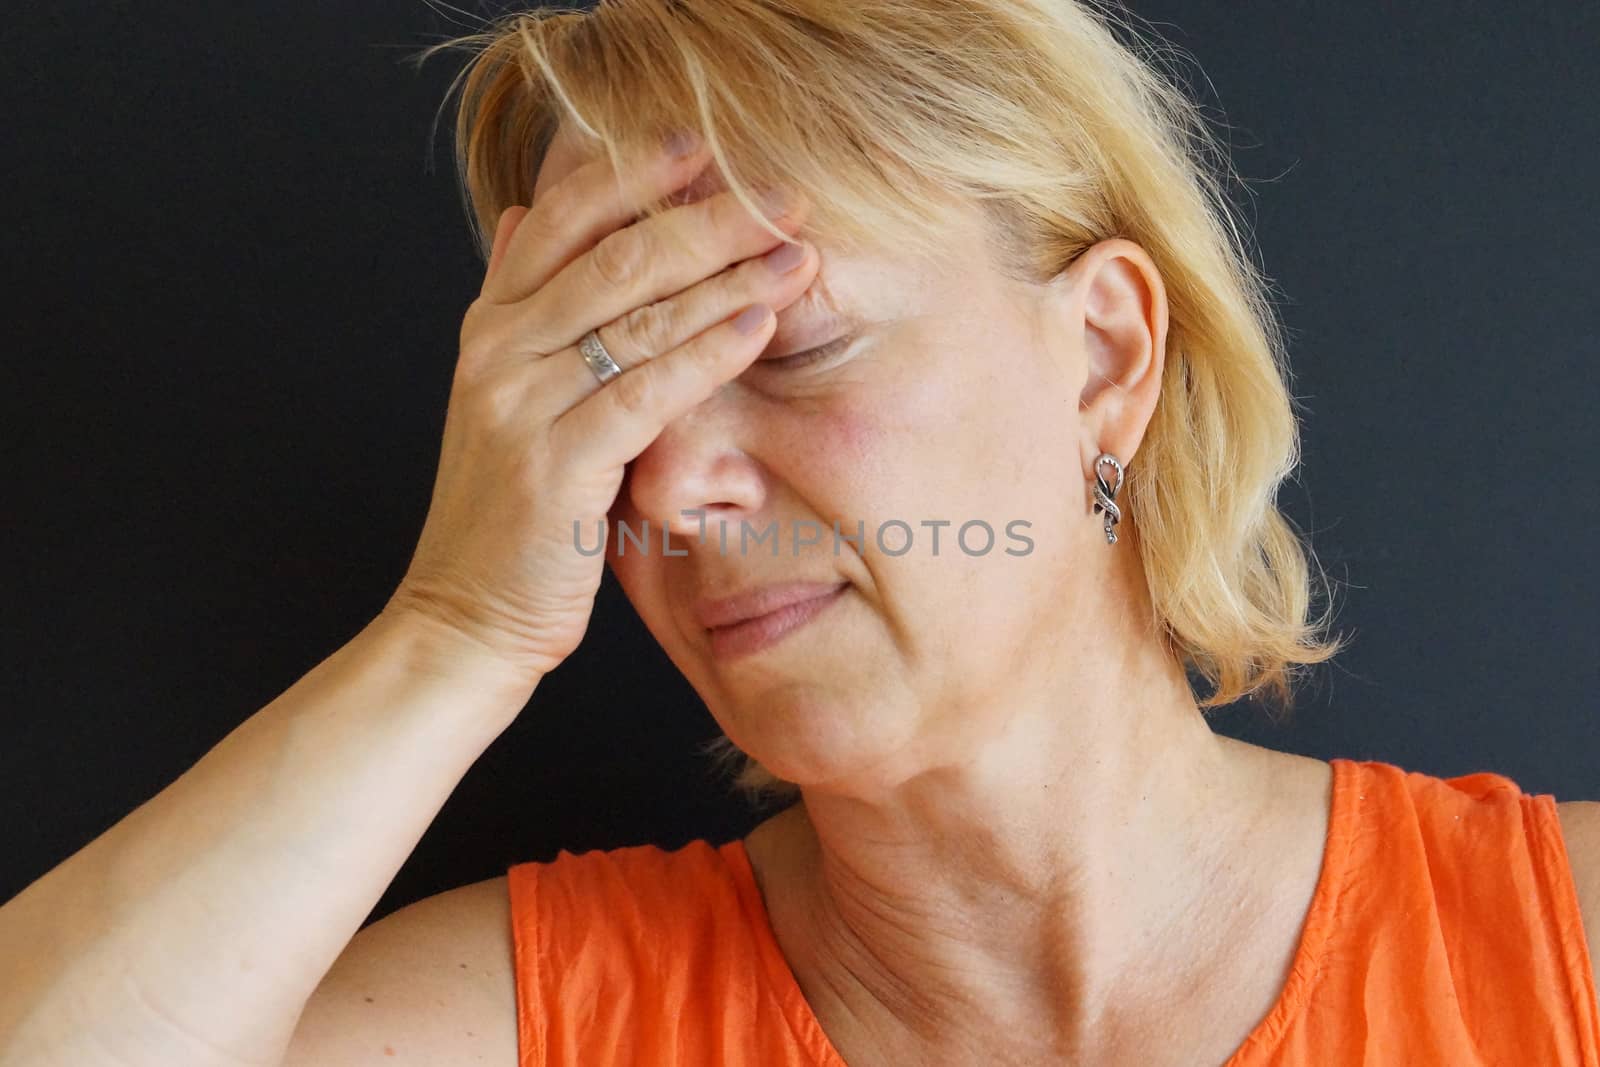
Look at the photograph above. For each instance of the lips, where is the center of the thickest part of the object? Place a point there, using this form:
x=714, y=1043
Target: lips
x=754, y=603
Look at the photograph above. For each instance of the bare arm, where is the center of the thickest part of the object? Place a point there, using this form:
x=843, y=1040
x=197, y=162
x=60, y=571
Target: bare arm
x=1580, y=830
x=429, y=986
x=193, y=931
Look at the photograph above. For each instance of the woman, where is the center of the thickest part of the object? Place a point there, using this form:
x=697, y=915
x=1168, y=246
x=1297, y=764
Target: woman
x=939, y=543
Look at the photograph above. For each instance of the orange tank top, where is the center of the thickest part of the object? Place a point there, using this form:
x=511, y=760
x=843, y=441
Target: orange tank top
x=1444, y=929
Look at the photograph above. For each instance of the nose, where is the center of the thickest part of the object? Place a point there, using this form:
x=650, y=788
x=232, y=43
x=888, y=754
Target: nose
x=695, y=475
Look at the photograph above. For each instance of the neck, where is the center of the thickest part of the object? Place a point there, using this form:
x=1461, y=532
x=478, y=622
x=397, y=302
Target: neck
x=1028, y=891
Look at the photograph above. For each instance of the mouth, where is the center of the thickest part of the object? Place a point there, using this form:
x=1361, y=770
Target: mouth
x=771, y=616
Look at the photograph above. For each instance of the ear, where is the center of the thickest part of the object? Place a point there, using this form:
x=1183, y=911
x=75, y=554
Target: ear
x=1115, y=305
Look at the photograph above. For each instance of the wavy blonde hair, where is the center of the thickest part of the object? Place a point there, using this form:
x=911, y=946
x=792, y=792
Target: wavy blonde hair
x=1063, y=133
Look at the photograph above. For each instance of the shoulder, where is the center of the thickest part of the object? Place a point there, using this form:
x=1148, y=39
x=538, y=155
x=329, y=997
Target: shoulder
x=1580, y=829
x=431, y=983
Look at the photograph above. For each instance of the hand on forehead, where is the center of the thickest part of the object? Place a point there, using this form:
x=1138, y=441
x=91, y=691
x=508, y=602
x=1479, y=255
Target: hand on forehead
x=567, y=153
x=819, y=304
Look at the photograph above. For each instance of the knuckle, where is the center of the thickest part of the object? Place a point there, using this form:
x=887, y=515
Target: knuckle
x=505, y=402
x=650, y=329
x=484, y=327
x=634, y=393
x=473, y=359
x=621, y=257
x=477, y=362
x=541, y=224
x=474, y=365
x=496, y=402
x=577, y=189
x=477, y=332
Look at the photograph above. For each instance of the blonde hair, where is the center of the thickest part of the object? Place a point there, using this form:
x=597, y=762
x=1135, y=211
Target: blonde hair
x=880, y=112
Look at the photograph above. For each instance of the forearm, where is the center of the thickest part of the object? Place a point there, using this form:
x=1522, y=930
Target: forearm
x=193, y=931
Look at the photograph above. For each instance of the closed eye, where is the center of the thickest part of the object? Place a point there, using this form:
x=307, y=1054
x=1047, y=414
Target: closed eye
x=807, y=357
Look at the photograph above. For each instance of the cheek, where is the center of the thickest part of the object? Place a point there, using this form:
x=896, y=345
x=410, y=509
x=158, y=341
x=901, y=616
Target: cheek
x=851, y=438
x=836, y=456
x=908, y=450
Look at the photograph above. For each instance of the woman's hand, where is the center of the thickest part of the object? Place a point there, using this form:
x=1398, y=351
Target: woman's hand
x=534, y=446
x=195, y=929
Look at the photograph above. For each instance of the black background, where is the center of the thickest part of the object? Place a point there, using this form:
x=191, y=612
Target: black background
x=236, y=266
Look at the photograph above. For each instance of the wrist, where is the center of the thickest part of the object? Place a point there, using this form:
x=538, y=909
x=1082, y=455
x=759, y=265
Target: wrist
x=433, y=651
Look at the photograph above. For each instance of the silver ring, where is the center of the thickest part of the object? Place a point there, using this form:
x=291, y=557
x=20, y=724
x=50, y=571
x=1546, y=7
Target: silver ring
x=594, y=353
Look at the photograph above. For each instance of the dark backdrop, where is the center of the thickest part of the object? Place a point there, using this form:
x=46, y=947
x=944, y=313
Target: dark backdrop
x=236, y=268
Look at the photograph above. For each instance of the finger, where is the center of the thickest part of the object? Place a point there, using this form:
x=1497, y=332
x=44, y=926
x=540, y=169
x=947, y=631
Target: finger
x=575, y=213
x=646, y=263
x=641, y=335
x=620, y=420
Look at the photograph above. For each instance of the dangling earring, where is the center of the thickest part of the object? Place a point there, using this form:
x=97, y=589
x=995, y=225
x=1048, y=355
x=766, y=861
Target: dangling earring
x=1105, y=496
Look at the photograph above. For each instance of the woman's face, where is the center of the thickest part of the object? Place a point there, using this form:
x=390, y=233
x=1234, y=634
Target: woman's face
x=954, y=399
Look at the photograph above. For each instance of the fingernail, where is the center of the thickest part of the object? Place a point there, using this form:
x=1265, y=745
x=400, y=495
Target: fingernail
x=751, y=318
x=786, y=257
x=682, y=143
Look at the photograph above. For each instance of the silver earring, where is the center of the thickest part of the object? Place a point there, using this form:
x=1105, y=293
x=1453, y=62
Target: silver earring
x=1105, y=495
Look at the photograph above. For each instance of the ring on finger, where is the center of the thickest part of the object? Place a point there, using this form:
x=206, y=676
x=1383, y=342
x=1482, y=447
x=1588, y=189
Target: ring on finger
x=599, y=360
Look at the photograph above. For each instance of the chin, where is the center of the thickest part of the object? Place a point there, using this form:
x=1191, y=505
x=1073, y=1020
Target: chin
x=815, y=731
